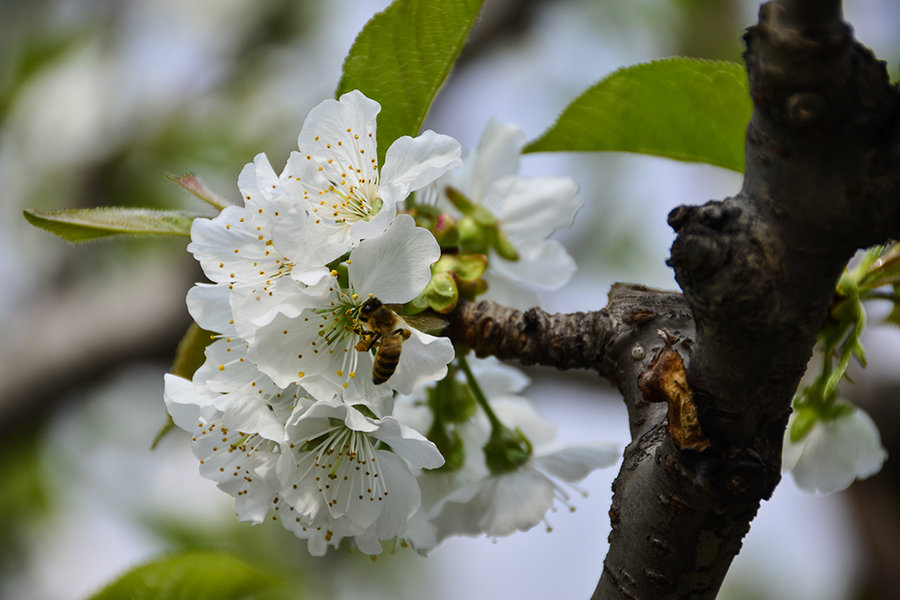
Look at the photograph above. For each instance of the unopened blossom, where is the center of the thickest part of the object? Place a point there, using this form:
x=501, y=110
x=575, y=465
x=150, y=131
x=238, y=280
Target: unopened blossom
x=336, y=176
x=318, y=348
x=527, y=210
x=834, y=453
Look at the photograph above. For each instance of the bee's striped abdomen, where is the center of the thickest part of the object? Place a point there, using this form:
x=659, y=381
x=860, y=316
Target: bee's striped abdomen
x=386, y=361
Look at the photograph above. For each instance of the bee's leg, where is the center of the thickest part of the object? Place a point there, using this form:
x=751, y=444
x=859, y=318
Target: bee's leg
x=367, y=339
x=402, y=332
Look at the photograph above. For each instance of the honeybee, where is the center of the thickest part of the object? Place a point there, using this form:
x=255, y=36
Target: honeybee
x=385, y=330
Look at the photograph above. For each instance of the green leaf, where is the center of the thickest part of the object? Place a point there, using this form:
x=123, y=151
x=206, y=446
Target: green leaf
x=681, y=108
x=894, y=316
x=191, y=576
x=82, y=224
x=190, y=352
x=402, y=57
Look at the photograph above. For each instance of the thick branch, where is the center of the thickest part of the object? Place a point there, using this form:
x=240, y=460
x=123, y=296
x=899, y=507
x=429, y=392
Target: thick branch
x=569, y=341
x=565, y=341
x=758, y=271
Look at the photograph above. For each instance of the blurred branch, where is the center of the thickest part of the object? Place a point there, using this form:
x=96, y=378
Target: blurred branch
x=66, y=341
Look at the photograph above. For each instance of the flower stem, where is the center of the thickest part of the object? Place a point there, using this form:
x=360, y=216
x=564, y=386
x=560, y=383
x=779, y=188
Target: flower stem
x=477, y=391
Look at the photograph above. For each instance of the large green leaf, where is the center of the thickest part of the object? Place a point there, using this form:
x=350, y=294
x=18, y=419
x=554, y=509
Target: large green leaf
x=681, y=108
x=190, y=576
x=402, y=57
x=82, y=224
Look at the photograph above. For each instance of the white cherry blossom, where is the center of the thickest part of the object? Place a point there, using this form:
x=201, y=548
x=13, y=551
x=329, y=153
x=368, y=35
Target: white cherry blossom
x=340, y=482
x=834, y=453
x=473, y=501
x=317, y=347
x=336, y=175
x=528, y=210
x=500, y=504
x=238, y=248
x=238, y=443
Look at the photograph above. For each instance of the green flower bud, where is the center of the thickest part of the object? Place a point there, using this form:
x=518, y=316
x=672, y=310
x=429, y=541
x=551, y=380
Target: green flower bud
x=451, y=447
x=441, y=293
x=469, y=267
x=506, y=450
x=504, y=247
x=473, y=238
x=459, y=200
x=446, y=231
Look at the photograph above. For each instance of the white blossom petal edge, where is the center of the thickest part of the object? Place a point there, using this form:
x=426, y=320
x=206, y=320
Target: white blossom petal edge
x=834, y=453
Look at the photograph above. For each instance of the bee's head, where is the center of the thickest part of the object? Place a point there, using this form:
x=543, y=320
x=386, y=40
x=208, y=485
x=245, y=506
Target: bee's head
x=369, y=306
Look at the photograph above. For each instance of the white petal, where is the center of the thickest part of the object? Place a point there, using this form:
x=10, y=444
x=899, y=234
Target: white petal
x=253, y=308
x=834, y=453
x=403, y=500
x=181, y=401
x=505, y=288
x=395, y=266
x=306, y=245
x=257, y=182
x=374, y=226
x=409, y=444
x=574, y=463
x=518, y=412
x=333, y=121
x=530, y=209
x=423, y=359
x=519, y=502
x=497, y=378
x=412, y=163
x=283, y=356
x=544, y=265
x=208, y=305
x=497, y=157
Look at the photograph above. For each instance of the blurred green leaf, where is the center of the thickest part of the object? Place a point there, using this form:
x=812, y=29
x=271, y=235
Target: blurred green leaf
x=681, y=108
x=402, y=57
x=82, y=224
x=190, y=352
x=191, y=576
x=894, y=316
x=25, y=496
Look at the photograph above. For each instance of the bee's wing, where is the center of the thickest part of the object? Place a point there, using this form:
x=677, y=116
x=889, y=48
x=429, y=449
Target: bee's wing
x=429, y=323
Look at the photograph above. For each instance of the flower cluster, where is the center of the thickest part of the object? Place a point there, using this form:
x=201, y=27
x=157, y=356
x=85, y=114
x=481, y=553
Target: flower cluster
x=314, y=282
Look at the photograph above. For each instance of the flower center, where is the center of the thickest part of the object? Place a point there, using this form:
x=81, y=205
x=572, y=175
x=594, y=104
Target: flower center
x=346, y=469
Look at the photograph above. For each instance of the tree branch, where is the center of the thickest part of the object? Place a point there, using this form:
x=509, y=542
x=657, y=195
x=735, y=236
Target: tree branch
x=758, y=272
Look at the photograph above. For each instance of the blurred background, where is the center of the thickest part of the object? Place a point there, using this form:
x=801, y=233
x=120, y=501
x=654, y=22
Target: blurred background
x=100, y=98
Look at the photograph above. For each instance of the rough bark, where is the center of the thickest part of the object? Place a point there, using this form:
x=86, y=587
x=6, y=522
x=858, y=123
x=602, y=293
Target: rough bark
x=758, y=272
